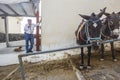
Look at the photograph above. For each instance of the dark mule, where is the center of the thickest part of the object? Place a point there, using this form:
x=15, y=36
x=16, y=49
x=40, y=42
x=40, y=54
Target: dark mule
x=110, y=30
x=87, y=33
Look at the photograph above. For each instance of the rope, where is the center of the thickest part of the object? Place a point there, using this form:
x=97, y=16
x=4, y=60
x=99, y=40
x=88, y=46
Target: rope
x=87, y=33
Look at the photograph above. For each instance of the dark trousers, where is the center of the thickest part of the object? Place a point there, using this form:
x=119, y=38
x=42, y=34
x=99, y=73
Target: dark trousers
x=29, y=38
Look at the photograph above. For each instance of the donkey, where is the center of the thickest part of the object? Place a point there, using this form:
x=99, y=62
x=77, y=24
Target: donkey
x=110, y=30
x=88, y=32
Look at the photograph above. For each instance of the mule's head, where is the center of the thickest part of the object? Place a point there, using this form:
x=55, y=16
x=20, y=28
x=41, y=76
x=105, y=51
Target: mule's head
x=94, y=24
x=112, y=21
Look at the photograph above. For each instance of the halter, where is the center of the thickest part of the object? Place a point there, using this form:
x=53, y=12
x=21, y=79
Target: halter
x=87, y=32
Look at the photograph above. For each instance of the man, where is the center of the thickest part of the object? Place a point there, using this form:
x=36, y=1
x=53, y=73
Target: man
x=29, y=37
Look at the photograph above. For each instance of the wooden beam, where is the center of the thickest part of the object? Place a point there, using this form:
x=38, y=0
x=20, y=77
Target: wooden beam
x=12, y=9
x=23, y=9
x=3, y=11
x=7, y=77
x=1, y=15
x=77, y=72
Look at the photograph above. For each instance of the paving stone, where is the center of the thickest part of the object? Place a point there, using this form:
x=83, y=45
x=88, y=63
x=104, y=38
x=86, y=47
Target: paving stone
x=117, y=68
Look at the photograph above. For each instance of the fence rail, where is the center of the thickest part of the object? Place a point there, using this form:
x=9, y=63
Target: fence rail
x=56, y=50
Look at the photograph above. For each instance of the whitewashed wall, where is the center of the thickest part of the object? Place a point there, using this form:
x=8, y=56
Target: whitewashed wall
x=14, y=25
x=60, y=19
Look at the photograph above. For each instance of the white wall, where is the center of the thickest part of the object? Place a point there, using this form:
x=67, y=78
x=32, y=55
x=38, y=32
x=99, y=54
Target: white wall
x=60, y=19
x=14, y=25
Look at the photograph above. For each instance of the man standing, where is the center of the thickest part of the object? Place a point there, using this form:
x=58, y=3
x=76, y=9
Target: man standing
x=29, y=37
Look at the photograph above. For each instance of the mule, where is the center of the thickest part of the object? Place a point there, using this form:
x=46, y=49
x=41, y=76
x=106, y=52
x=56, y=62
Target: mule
x=87, y=33
x=110, y=30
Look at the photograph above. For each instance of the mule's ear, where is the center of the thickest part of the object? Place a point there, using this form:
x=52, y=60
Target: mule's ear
x=103, y=9
x=102, y=12
x=85, y=16
x=106, y=14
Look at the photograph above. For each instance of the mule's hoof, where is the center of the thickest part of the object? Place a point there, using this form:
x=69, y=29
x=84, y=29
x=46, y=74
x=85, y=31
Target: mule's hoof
x=81, y=67
x=115, y=60
x=89, y=67
x=101, y=59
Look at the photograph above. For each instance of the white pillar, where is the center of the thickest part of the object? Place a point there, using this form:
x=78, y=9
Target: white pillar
x=6, y=31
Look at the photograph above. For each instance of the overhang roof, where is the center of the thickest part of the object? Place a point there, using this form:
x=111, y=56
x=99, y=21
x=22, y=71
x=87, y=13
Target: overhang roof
x=18, y=7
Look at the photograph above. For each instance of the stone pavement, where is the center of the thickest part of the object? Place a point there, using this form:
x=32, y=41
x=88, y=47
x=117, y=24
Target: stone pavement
x=8, y=56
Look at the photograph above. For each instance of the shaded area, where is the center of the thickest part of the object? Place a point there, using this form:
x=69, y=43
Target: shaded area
x=12, y=37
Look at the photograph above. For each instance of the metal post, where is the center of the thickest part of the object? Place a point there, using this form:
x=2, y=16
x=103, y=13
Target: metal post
x=23, y=55
x=6, y=31
x=37, y=28
x=37, y=32
x=50, y=51
x=21, y=68
x=69, y=48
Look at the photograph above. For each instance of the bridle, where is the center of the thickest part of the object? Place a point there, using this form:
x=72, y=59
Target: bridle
x=87, y=32
x=107, y=37
x=88, y=37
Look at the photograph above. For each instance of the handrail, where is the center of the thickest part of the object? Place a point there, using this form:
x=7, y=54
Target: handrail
x=56, y=50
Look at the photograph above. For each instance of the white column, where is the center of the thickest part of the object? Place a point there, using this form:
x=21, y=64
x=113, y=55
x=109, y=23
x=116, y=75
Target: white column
x=6, y=31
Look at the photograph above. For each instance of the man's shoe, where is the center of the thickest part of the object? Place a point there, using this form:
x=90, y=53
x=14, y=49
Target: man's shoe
x=30, y=51
x=27, y=51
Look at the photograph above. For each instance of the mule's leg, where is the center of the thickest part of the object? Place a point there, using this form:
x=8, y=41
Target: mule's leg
x=89, y=55
x=113, y=51
x=82, y=58
x=102, y=52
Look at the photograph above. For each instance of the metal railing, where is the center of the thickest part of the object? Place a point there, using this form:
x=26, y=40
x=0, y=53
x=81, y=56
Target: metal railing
x=22, y=71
